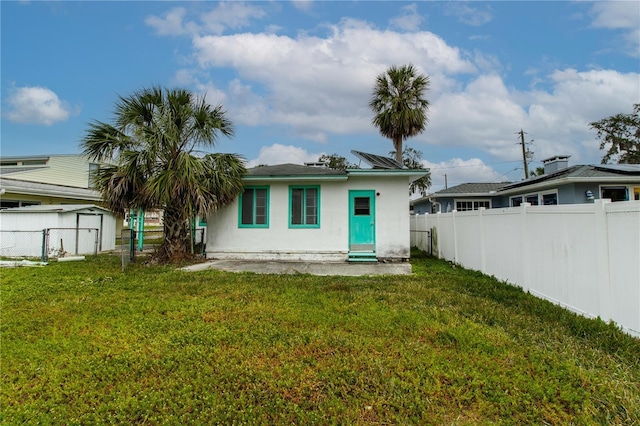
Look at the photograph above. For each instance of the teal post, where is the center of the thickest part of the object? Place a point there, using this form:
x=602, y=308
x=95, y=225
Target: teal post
x=140, y=229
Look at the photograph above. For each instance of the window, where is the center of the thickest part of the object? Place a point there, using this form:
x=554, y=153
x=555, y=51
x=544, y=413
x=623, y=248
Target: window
x=463, y=206
x=254, y=207
x=7, y=204
x=467, y=205
x=304, y=206
x=550, y=199
x=532, y=199
x=362, y=206
x=615, y=193
x=516, y=201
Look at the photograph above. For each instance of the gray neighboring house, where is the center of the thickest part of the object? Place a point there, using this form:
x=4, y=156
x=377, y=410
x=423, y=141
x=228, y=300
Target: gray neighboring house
x=467, y=196
x=559, y=184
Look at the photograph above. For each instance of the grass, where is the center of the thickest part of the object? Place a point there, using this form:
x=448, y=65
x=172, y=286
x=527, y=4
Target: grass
x=83, y=343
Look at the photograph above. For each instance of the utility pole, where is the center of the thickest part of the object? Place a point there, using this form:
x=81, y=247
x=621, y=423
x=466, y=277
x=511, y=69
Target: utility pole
x=445, y=181
x=525, y=153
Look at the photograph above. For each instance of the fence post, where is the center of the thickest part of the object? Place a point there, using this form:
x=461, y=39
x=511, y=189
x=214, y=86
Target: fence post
x=43, y=258
x=604, y=266
x=524, y=244
x=455, y=236
x=483, y=249
x=438, y=235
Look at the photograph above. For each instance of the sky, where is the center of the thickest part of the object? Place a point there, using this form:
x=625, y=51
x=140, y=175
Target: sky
x=295, y=78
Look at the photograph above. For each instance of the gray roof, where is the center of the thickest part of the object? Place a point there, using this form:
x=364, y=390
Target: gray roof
x=590, y=172
x=482, y=188
x=280, y=170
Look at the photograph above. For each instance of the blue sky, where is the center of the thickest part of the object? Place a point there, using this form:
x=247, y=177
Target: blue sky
x=296, y=77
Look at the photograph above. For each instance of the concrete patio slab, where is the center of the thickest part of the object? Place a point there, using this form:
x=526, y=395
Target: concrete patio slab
x=292, y=267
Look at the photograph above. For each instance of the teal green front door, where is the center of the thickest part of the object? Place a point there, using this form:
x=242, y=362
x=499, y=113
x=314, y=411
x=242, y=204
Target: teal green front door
x=362, y=221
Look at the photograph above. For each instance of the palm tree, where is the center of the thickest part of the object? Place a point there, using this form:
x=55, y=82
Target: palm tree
x=154, y=142
x=399, y=104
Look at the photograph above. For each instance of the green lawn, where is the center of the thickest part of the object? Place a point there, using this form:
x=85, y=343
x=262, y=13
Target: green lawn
x=84, y=343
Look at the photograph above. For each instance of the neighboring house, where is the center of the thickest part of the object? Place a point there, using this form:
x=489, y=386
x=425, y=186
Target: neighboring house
x=468, y=196
x=307, y=213
x=47, y=179
x=559, y=184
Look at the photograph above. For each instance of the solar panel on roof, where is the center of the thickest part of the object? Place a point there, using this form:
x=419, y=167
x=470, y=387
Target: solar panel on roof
x=625, y=168
x=377, y=161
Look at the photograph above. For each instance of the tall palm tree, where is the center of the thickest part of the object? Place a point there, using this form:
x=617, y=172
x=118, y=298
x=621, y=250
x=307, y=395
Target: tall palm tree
x=399, y=104
x=155, y=142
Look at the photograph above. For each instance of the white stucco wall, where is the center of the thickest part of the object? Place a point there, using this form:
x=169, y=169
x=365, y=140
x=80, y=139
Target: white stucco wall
x=330, y=242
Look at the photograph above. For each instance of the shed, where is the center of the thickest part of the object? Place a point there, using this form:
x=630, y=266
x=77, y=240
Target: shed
x=70, y=228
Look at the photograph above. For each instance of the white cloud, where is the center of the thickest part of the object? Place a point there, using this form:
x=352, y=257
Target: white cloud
x=227, y=15
x=467, y=14
x=304, y=5
x=170, y=24
x=620, y=15
x=322, y=85
x=409, y=20
x=460, y=171
x=616, y=14
x=280, y=154
x=36, y=105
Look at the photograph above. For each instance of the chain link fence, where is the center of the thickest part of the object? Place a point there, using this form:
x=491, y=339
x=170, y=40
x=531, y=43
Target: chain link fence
x=49, y=243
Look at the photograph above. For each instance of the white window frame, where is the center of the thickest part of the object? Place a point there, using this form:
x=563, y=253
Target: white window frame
x=628, y=188
x=542, y=194
x=473, y=202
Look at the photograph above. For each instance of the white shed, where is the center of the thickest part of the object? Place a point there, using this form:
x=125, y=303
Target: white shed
x=68, y=228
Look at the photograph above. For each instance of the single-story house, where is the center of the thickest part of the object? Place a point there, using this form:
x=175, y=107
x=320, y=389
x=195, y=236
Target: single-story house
x=310, y=213
x=560, y=184
x=73, y=228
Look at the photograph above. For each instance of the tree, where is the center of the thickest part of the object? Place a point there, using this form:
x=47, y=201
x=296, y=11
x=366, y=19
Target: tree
x=154, y=142
x=620, y=136
x=335, y=161
x=411, y=160
x=399, y=105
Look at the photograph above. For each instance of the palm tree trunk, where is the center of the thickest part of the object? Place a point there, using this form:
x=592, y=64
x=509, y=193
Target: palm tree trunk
x=176, y=233
x=397, y=144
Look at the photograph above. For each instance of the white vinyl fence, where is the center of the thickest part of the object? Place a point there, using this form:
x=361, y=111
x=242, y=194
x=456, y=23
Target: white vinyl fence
x=585, y=257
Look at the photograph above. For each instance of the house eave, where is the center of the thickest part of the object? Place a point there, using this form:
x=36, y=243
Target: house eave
x=292, y=178
x=47, y=190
